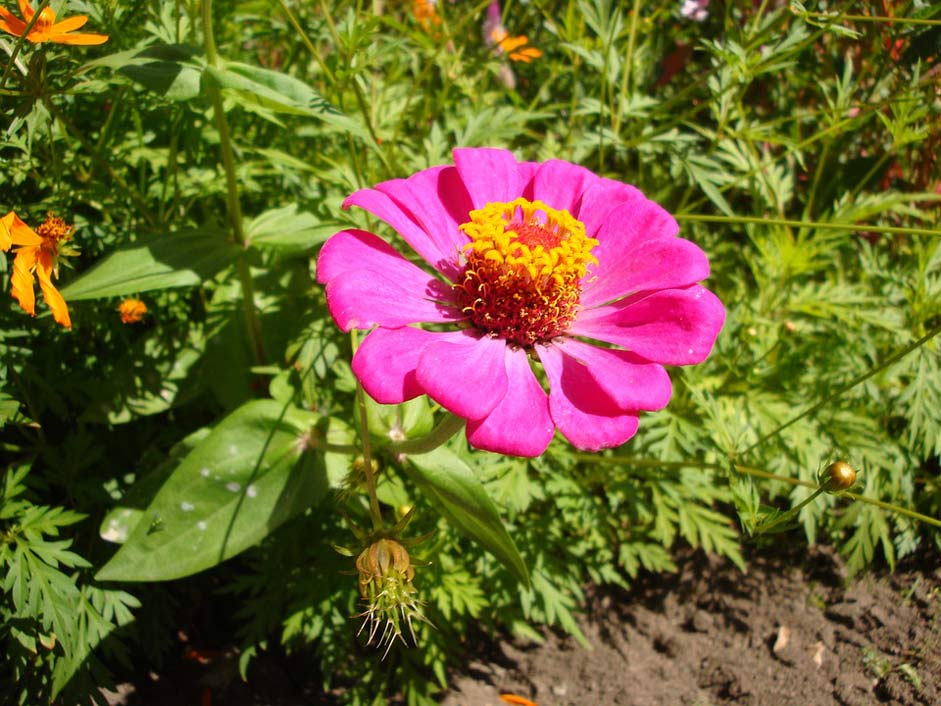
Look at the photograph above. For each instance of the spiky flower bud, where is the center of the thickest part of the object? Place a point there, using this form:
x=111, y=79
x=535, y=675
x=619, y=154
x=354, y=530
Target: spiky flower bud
x=838, y=476
x=385, y=583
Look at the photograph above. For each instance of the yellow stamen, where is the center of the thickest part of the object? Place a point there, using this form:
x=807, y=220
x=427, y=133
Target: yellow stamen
x=525, y=262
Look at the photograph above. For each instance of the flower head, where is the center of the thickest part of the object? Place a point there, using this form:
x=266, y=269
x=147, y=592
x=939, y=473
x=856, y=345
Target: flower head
x=39, y=253
x=132, y=310
x=697, y=10
x=496, y=35
x=545, y=274
x=426, y=14
x=46, y=29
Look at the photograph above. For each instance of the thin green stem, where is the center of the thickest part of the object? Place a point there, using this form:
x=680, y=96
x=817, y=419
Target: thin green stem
x=628, y=63
x=755, y=472
x=19, y=42
x=758, y=473
x=871, y=18
x=232, y=192
x=898, y=355
x=374, y=510
x=448, y=427
x=820, y=225
x=935, y=522
x=357, y=92
x=292, y=18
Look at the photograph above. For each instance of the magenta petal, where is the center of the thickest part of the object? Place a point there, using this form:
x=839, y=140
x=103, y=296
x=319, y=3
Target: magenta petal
x=488, y=174
x=631, y=383
x=581, y=409
x=400, y=218
x=661, y=263
x=366, y=299
x=672, y=327
x=438, y=202
x=520, y=424
x=465, y=373
x=359, y=251
x=600, y=198
x=385, y=363
x=560, y=184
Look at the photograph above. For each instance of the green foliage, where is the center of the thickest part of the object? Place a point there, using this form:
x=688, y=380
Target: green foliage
x=205, y=186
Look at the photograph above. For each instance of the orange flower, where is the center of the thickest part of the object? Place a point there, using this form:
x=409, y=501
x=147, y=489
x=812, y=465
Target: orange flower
x=510, y=45
x=425, y=13
x=39, y=252
x=132, y=310
x=46, y=29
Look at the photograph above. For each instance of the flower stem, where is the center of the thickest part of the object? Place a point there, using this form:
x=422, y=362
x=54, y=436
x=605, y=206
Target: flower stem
x=232, y=193
x=19, y=42
x=374, y=510
x=854, y=227
x=758, y=473
x=628, y=63
x=870, y=18
x=751, y=471
x=448, y=427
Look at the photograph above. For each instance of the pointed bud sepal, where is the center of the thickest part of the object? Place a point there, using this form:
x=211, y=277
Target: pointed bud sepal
x=385, y=584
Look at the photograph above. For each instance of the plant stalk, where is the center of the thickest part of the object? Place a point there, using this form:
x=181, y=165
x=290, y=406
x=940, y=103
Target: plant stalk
x=232, y=193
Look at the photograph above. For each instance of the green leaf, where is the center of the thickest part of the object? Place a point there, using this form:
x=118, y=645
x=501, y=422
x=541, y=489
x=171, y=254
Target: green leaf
x=257, y=88
x=180, y=259
x=247, y=477
x=397, y=422
x=287, y=229
x=162, y=69
x=452, y=487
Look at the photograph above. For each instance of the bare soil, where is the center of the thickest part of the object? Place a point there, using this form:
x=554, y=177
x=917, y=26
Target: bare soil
x=792, y=631
x=785, y=633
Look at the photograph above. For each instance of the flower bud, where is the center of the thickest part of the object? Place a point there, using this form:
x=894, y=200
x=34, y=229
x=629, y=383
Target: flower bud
x=839, y=475
x=385, y=583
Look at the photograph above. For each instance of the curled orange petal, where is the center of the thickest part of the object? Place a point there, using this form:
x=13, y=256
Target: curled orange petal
x=22, y=279
x=60, y=310
x=517, y=700
x=25, y=9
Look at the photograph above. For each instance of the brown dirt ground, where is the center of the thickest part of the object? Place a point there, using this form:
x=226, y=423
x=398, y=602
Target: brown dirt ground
x=792, y=631
x=785, y=633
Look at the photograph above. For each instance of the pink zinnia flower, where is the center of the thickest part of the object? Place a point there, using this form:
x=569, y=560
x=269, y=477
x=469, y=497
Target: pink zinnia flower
x=534, y=263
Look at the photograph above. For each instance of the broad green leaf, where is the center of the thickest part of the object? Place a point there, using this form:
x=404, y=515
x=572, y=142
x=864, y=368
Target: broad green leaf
x=278, y=92
x=247, y=477
x=181, y=259
x=453, y=488
x=163, y=69
x=288, y=229
x=8, y=408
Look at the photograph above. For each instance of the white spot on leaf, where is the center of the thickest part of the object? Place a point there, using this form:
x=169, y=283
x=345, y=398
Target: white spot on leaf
x=187, y=507
x=233, y=487
x=204, y=472
x=251, y=491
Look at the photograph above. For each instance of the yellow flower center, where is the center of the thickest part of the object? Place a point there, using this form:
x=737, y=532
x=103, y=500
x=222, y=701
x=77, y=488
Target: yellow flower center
x=53, y=231
x=524, y=265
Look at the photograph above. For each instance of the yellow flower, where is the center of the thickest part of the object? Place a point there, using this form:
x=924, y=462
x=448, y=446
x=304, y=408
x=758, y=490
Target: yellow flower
x=39, y=252
x=46, y=29
x=132, y=310
x=510, y=45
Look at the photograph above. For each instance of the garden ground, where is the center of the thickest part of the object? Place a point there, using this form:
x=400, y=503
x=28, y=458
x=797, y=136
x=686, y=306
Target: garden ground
x=792, y=630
